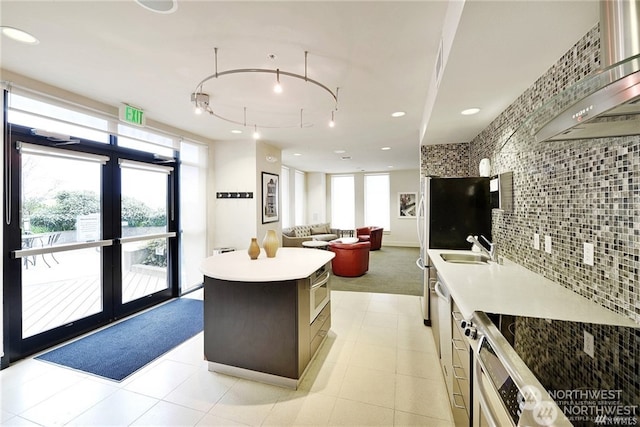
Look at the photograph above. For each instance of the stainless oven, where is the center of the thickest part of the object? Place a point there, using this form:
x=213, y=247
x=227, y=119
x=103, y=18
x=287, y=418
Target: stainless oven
x=506, y=392
x=320, y=290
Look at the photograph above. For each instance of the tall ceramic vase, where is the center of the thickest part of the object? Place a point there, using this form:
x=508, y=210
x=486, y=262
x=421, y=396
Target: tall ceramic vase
x=270, y=243
x=254, y=249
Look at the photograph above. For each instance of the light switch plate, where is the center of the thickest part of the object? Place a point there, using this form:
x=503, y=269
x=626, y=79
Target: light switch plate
x=588, y=253
x=547, y=244
x=536, y=241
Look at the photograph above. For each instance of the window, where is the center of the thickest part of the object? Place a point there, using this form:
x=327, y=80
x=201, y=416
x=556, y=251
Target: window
x=376, y=200
x=193, y=212
x=143, y=140
x=343, y=208
x=300, y=198
x=284, y=192
x=54, y=119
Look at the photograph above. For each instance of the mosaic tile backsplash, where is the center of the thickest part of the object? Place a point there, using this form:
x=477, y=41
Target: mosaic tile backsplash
x=553, y=352
x=575, y=192
x=445, y=160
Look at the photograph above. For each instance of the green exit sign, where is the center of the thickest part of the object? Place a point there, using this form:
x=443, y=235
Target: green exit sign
x=132, y=115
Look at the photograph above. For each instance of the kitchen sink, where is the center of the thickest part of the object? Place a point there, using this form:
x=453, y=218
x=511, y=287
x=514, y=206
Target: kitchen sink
x=478, y=259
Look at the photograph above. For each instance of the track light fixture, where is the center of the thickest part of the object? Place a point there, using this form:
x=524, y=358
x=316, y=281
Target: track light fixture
x=278, y=87
x=201, y=100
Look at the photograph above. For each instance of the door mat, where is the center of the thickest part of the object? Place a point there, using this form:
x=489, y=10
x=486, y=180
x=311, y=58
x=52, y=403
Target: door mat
x=120, y=350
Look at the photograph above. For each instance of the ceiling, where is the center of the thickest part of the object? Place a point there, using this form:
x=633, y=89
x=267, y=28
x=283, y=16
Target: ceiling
x=381, y=55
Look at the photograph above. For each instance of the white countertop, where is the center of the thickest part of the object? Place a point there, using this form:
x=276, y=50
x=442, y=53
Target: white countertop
x=288, y=264
x=512, y=289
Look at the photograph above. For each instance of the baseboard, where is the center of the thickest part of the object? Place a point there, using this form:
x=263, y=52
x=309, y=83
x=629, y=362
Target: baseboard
x=400, y=244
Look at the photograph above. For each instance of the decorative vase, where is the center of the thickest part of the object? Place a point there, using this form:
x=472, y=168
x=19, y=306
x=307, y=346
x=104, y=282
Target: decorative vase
x=254, y=249
x=270, y=243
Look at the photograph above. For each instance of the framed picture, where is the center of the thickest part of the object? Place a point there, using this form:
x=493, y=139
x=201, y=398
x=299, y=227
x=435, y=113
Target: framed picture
x=407, y=205
x=270, y=190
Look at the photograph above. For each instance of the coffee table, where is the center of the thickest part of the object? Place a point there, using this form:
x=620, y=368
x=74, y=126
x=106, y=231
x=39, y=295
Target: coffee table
x=316, y=244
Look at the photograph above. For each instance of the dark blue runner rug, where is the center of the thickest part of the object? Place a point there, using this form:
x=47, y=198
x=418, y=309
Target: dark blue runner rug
x=119, y=350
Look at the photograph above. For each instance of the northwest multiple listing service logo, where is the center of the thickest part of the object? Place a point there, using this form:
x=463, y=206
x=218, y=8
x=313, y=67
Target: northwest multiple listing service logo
x=581, y=407
x=545, y=413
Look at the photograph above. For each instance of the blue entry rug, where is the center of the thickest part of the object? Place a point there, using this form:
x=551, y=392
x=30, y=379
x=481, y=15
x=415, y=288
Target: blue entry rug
x=120, y=350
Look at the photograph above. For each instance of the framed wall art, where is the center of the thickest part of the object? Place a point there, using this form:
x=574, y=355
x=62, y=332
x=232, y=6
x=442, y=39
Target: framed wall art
x=270, y=196
x=407, y=205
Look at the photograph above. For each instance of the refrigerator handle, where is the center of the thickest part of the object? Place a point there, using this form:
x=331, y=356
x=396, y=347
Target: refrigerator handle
x=419, y=218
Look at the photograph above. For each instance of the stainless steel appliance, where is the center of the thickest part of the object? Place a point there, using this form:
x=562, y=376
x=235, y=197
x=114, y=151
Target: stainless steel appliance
x=320, y=288
x=449, y=210
x=607, y=103
x=542, y=372
x=505, y=391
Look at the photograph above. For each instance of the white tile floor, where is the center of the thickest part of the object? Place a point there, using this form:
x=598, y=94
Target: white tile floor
x=377, y=367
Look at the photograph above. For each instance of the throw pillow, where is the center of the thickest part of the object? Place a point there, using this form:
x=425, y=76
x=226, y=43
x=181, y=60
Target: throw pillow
x=289, y=233
x=321, y=229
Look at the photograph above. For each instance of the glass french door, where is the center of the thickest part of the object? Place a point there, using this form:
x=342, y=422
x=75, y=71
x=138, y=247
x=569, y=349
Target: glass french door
x=61, y=245
x=144, y=218
x=90, y=241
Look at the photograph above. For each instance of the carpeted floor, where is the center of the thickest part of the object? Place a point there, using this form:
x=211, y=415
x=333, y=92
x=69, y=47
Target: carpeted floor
x=392, y=270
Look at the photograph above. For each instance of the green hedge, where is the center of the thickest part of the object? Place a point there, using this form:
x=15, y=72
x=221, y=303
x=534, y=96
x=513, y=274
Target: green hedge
x=68, y=205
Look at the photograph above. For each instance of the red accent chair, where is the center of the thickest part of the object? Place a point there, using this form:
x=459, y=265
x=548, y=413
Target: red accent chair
x=372, y=235
x=351, y=260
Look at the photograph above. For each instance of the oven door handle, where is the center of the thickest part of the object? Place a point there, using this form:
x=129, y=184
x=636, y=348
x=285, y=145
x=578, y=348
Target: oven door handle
x=484, y=401
x=321, y=283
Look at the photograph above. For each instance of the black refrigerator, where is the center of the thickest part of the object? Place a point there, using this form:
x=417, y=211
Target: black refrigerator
x=450, y=209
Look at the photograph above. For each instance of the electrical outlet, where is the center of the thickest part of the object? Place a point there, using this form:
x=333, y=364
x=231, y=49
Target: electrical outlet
x=588, y=253
x=547, y=244
x=589, y=344
x=536, y=241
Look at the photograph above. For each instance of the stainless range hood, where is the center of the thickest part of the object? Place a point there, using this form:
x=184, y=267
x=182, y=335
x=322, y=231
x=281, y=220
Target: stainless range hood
x=606, y=104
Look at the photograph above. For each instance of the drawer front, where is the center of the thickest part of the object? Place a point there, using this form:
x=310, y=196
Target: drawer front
x=461, y=375
x=316, y=339
x=319, y=321
x=460, y=408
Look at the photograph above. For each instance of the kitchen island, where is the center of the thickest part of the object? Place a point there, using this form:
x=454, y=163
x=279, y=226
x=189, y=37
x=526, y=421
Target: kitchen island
x=260, y=318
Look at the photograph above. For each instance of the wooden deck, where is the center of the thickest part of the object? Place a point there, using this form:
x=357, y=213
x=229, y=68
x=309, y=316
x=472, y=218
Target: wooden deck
x=51, y=303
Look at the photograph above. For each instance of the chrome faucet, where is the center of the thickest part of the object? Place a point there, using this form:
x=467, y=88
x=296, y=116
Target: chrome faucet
x=492, y=253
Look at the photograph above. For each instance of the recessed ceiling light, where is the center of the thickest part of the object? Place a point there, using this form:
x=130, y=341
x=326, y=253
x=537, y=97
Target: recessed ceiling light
x=470, y=111
x=386, y=148
x=236, y=131
x=19, y=35
x=159, y=6
x=339, y=151
x=297, y=154
x=398, y=114
x=390, y=167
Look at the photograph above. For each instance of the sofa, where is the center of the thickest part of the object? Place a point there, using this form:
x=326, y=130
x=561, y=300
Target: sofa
x=372, y=235
x=294, y=236
x=351, y=260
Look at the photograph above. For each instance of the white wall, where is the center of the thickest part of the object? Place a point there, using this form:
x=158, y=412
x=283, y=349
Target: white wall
x=403, y=230
x=232, y=222
x=238, y=166
x=262, y=165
